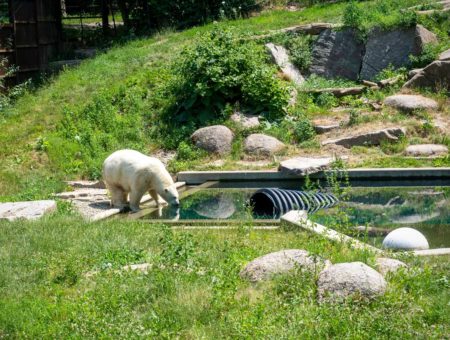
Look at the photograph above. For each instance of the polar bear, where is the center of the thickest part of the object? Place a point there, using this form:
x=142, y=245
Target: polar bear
x=130, y=172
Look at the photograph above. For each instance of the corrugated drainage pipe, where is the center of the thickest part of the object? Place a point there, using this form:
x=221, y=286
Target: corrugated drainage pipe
x=277, y=202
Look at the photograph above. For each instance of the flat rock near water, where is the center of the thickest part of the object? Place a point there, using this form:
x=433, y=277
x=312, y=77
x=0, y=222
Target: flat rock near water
x=281, y=262
x=385, y=48
x=27, y=210
x=303, y=166
x=345, y=279
x=215, y=139
x=409, y=103
x=337, y=54
x=426, y=150
x=262, y=145
x=368, y=138
x=281, y=58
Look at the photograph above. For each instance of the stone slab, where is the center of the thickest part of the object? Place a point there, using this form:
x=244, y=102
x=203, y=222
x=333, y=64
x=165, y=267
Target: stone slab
x=31, y=210
x=305, y=165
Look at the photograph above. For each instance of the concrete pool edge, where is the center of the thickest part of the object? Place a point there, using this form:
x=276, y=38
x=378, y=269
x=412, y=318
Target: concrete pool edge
x=199, y=177
x=299, y=218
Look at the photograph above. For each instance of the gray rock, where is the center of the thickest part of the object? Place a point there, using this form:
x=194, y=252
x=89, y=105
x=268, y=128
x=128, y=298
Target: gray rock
x=27, y=210
x=219, y=207
x=385, y=48
x=281, y=262
x=87, y=184
x=303, y=166
x=320, y=129
x=337, y=54
x=262, y=145
x=413, y=72
x=215, y=139
x=405, y=239
x=368, y=138
x=247, y=121
x=281, y=58
x=386, y=265
x=345, y=279
x=436, y=76
x=426, y=150
x=409, y=103
x=444, y=55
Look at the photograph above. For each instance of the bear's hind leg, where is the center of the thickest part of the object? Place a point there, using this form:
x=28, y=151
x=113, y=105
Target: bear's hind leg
x=135, y=198
x=118, y=197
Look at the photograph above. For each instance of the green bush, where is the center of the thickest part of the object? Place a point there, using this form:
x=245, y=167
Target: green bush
x=217, y=72
x=303, y=130
x=300, y=48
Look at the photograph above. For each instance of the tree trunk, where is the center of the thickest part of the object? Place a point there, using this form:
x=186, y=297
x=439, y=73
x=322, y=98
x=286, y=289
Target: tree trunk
x=105, y=19
x=124, y=10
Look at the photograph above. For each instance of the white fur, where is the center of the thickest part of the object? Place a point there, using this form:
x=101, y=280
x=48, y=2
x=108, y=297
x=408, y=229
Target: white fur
x=130, y=172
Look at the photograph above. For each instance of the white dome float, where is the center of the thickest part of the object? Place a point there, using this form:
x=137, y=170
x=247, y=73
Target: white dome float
x=405, y=239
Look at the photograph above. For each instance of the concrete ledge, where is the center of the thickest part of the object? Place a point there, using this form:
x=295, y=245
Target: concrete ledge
x=432, y=252
x=199, y=177
x=299, y=218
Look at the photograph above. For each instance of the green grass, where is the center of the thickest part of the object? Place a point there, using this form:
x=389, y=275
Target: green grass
x=193, y=289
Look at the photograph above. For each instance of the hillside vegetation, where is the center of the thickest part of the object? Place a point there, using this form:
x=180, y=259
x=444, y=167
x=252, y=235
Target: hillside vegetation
x=131, y=95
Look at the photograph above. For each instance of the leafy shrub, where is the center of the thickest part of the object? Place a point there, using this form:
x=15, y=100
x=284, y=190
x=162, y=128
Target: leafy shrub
x=429, y=54
x=219, y=71
x=300, y=48
x=8, y=95
x=186, y=152
x=303, y=130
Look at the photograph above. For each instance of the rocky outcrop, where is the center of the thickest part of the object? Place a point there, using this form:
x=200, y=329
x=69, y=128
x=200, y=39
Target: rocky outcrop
x=345, y=279
x=386, y=265
x=281, y=262
x=215, y=139
x=436, y=76
x=409, y=103
x=385, y=48
x=324, y=128
x=262, y=145
x=337, y=54
x=368, y=138
x=303, y=166
x=426, y=150
x=444, y=55
x=26, y=210
x=281, y=58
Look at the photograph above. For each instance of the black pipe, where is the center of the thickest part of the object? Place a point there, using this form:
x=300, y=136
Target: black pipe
x=277, y=202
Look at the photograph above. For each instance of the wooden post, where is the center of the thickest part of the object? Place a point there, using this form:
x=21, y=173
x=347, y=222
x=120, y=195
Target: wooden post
x=105, y=19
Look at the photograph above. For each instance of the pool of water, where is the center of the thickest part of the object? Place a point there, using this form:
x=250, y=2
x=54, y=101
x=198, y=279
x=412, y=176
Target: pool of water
x=424, y=208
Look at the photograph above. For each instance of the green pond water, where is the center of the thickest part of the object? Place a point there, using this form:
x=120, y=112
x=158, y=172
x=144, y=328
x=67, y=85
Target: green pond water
x=423, y=208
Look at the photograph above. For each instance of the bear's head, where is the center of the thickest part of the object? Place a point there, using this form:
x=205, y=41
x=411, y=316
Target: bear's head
x=170, y=195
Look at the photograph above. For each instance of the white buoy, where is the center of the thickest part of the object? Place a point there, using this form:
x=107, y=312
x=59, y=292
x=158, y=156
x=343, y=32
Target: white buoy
x=405, y=239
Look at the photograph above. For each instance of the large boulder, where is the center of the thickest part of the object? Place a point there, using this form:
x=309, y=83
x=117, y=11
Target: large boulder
x=345, y=279
x=386, y=265
x=281, y=262
x=303, y=166
x=215, y=139
x=426, y=150
x=368, y=138
x=385, y=48
x=405, y=239
x=258, y=144
x=281, y=58
x=337, y=54
x=436, y=76
x=409, y=103
x=26, y=210
x=444, y=55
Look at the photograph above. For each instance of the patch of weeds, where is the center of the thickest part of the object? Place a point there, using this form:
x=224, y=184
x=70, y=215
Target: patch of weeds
x=354, y=117
x=177, y=249
x=186, y=151
x=121, y=256
x=397, y=147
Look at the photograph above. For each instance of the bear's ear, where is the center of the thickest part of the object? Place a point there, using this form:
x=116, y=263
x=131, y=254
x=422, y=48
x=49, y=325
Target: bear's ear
x=166, y=190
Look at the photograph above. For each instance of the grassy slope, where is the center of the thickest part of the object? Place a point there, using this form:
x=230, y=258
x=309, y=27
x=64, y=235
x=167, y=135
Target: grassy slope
x=194, y=290
x=36, y=114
